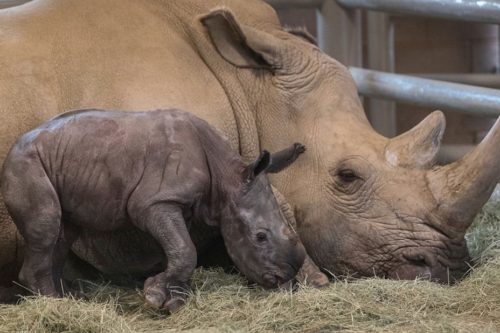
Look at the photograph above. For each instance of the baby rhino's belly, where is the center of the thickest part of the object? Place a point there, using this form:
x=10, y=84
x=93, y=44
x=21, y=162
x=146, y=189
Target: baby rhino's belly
x=132, y=252
x=104, y=216
x=125, y=251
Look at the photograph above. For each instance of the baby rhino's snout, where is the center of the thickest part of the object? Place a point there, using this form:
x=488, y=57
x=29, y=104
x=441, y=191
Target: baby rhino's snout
x=289, y=260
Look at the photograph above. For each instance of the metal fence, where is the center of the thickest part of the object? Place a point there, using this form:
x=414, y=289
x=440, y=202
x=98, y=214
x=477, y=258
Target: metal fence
x=428, y=93
x=487, y=11
x=11, y=3
x=409, y=89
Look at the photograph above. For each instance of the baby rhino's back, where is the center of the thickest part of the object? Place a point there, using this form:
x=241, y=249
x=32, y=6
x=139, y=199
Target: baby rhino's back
x=96, y=160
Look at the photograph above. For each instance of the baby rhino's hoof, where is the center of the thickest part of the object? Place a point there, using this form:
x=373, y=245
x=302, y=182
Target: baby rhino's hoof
x=170, y=298
x=175, y=304
x=155, y=297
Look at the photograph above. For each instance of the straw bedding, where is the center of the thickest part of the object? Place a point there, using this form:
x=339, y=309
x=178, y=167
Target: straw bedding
x=224, y=303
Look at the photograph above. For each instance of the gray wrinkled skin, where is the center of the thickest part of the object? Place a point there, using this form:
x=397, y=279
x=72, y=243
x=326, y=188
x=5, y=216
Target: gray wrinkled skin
x=167, y=173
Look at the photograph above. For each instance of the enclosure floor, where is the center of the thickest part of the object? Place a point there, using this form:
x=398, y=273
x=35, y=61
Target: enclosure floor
x=224, y=303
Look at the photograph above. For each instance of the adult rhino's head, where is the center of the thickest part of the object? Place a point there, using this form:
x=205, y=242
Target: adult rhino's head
x=256, y=234
x=365, y=204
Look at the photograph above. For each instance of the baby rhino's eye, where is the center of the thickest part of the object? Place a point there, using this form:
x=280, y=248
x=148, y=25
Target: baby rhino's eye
x=261, y=237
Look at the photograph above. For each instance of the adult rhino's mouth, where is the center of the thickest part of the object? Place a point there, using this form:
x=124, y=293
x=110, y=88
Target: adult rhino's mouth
x=429, y=267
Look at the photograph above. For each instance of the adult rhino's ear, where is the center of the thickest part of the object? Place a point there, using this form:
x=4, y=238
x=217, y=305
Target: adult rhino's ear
x=261, y=164
x=285, y=157
x=418, y=147
x=303, y=33
x=241, y=45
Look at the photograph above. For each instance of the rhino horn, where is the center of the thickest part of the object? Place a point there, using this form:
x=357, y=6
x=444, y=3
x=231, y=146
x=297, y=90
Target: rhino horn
x=463, y=187
x=418, y=147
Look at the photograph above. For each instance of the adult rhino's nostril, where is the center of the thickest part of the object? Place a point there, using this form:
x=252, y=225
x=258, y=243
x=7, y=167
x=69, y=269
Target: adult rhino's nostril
x=417, y=266
x=418, y=261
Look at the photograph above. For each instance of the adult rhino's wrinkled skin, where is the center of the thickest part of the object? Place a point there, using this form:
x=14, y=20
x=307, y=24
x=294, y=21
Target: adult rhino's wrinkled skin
x=364, y=204
x=165, y=172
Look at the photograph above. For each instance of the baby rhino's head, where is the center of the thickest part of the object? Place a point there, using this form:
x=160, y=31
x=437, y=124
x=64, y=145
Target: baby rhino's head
x=257, y=236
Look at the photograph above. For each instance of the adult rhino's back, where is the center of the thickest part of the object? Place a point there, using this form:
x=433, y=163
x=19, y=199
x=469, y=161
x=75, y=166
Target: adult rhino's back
x=59, y=55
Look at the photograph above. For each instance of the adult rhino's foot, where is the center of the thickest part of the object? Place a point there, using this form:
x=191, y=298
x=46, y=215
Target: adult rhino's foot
x=310, y=275
x=161, y=293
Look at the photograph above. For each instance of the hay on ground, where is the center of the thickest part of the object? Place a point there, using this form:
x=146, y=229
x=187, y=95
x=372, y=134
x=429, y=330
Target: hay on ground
x=224, y=303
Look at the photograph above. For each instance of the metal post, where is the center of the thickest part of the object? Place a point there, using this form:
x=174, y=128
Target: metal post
x=339, y=33
x=468, y=10
x=380, y=56
x=428, y=93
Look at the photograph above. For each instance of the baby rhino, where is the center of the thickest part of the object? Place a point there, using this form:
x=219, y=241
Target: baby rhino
x=165, y=172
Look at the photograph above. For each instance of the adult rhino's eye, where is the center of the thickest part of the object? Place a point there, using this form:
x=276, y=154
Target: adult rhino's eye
x=261, y=237
x=347, y=175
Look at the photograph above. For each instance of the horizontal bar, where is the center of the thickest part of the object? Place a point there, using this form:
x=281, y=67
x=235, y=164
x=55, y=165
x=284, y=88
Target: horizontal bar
x=468, y=10
x=473, y=79
x=451, y=152
x=11, y=3
x=427, y=93
x=278, y=4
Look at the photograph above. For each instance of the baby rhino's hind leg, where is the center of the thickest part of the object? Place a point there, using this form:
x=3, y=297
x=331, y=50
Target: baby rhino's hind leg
x=34, y=206
x=67, y=235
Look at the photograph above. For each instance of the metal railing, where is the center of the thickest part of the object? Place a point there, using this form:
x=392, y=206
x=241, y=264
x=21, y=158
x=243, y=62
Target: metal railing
x=473, y=79
x=432, y=92
x=295, y=3
x=427, y=93
x=11, y=3
x=487, y=11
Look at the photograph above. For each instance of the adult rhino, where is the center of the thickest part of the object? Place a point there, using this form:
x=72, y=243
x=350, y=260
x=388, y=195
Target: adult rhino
x=364, y=204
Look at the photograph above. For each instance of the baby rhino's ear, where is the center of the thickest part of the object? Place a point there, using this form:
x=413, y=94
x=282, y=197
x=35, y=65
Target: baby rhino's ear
x=286, y=157
x=258, y=166
x=273, y=163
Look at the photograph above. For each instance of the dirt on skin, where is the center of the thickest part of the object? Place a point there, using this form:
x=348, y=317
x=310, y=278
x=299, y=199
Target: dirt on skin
x=225, y=303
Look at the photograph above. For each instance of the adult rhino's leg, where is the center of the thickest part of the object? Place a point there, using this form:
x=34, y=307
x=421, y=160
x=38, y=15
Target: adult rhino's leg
x=169, y=288
x=309, y=273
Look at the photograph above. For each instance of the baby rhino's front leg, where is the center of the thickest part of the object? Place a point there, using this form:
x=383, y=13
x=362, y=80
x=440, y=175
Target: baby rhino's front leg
x=169, y=289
